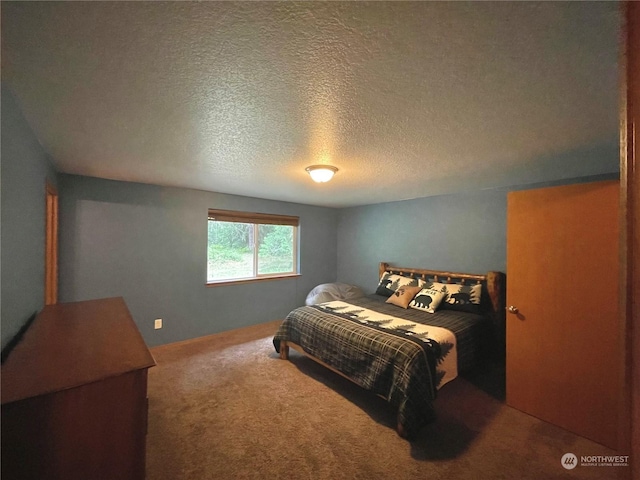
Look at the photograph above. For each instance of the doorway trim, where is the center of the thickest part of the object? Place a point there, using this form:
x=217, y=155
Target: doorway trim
x=630, y=235
x=51, y=246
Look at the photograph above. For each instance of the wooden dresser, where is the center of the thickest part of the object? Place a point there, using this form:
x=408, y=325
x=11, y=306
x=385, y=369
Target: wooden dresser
x=74, y=395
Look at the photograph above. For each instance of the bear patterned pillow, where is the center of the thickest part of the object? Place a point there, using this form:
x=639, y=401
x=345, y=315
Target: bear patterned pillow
x=465, y=298
x=390, y=282
x=403, y=295
x=427, y=300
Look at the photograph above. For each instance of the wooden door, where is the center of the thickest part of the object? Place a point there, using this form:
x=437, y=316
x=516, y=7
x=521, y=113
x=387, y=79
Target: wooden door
x=562, y=273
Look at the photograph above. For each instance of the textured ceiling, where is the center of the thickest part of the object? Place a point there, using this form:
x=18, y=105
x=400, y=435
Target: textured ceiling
x=407, y=99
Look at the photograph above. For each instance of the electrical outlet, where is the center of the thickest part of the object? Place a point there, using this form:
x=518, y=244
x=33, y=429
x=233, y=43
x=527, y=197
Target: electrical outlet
x=158, y=323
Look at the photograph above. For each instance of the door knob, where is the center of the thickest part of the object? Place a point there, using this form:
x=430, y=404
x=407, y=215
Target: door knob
x=513, y=309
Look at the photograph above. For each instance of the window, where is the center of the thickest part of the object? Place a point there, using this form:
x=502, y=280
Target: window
x=243, y=246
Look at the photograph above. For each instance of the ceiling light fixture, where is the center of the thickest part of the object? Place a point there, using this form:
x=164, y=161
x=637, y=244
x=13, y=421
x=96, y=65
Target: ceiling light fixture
x=321, y=173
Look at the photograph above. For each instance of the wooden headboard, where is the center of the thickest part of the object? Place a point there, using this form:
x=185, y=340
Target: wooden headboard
x=494, y=287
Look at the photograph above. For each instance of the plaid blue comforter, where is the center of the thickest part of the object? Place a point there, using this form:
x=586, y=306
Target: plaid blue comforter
x=399, y=368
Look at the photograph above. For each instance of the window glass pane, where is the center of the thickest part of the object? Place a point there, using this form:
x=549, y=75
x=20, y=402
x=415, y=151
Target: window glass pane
x=275, y=254
x=230, y=252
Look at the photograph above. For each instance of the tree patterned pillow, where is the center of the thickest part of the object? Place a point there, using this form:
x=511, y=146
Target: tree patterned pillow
x=463, y=294
x=427, y=300
x=390, y=282
x=462, y=298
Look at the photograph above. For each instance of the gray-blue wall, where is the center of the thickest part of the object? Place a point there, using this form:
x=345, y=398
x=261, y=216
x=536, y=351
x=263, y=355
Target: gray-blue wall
x=462, y=232
x=148, y=244
x=23, y=175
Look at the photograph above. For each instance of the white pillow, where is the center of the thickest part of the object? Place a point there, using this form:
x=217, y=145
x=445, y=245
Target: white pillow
x=427, y=300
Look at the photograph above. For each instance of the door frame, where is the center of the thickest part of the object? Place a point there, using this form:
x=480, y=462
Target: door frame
x=51, y=246
x=630, y=235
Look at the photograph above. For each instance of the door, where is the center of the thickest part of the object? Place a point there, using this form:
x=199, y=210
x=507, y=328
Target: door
x=562, y=297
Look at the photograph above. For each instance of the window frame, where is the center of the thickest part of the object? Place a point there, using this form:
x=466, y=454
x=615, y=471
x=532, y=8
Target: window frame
x=256, y=219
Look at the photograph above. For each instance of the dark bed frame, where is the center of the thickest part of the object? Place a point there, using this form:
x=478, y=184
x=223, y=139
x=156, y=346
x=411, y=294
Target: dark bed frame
x=493, y=306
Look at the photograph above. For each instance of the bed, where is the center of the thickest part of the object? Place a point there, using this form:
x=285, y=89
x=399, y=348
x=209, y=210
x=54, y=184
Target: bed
x=404, y=351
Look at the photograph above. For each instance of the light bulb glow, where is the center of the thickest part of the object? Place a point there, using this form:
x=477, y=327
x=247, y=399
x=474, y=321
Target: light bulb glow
x=321, y=173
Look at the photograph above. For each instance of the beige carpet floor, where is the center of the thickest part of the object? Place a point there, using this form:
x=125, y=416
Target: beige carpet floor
x=226, y=407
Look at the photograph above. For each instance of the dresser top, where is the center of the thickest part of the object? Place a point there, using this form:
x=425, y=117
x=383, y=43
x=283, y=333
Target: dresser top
x=72, y=344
